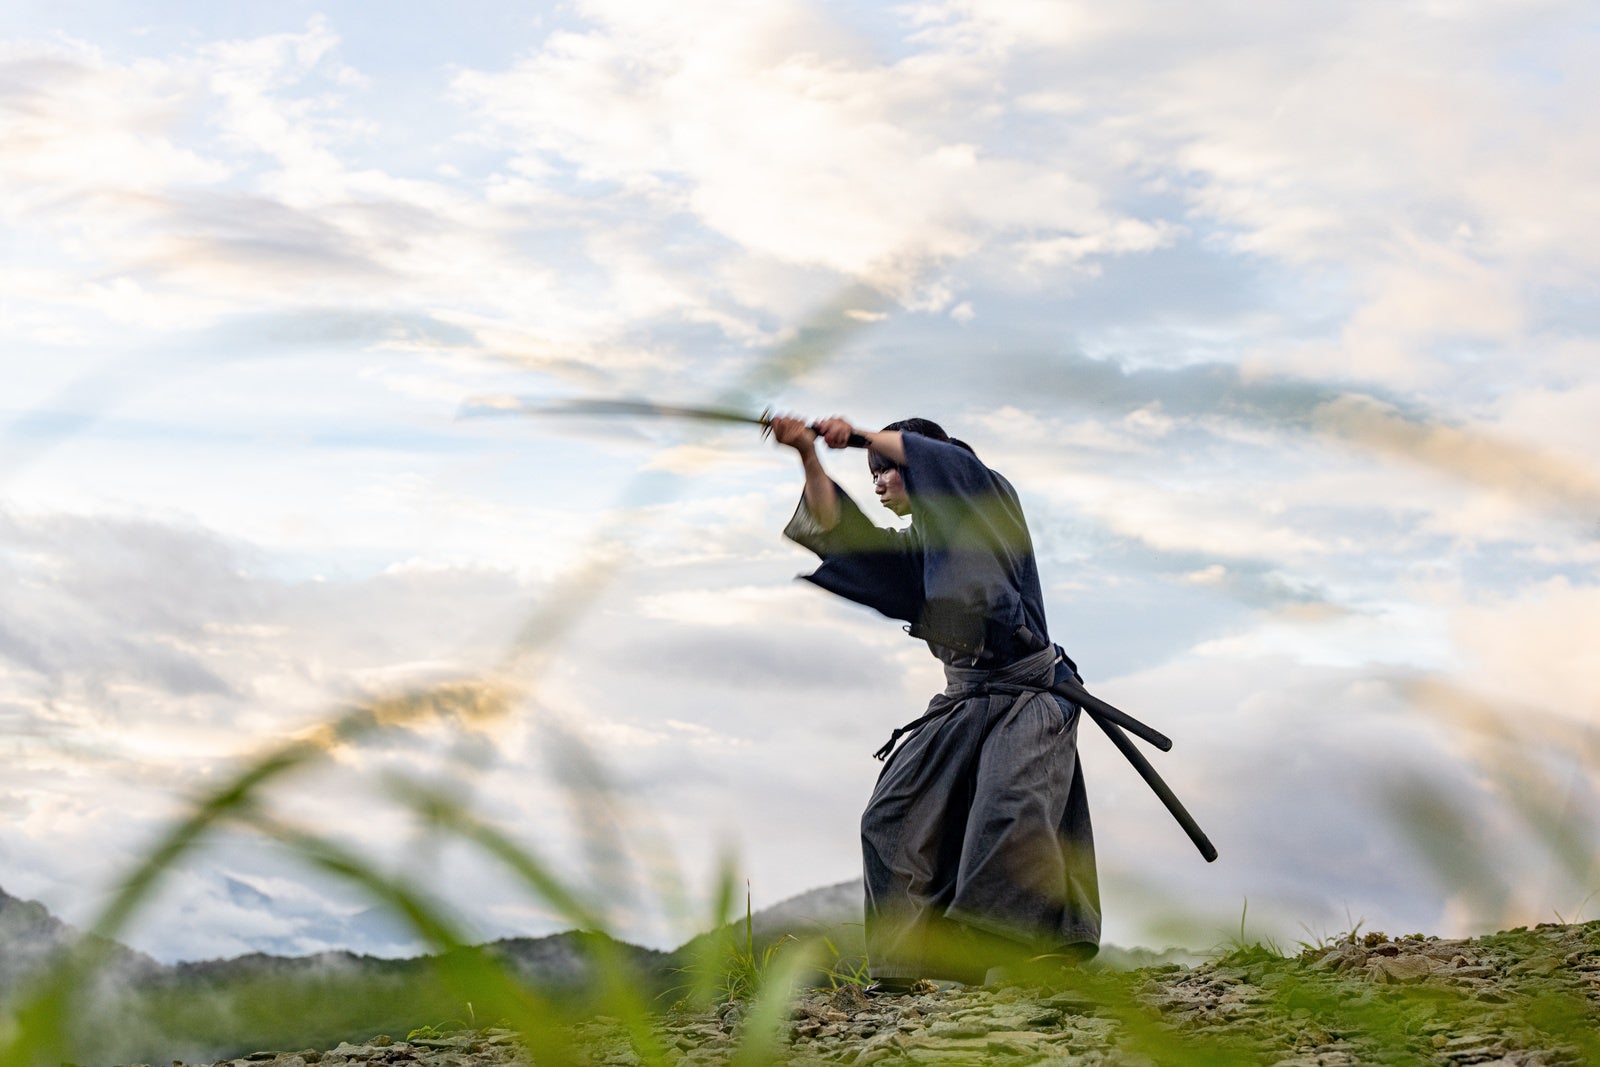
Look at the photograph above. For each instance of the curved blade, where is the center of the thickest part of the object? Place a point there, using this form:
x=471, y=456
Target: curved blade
x=513, y=405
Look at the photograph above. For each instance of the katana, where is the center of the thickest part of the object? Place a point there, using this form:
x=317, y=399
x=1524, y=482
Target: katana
x=1109, y=718
x=516, y=405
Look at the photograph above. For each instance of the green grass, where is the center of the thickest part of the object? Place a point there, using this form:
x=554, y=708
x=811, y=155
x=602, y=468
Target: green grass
x=733, y=969
x=462, y=985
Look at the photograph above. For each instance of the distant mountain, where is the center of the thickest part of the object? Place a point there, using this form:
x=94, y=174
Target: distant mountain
x=832, y=912
x=554, y=963
x=836, y=913
x=564, y=960
x=303, y=924
x=142, y=1010
x=30, y=937
x=828, y=908
x=201, y=1011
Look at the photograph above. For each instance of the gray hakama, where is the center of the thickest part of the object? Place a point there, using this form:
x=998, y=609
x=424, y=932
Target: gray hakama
x=977, y=846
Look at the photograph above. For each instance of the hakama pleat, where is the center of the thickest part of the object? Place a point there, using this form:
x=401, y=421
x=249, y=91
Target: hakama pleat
x=977, y=844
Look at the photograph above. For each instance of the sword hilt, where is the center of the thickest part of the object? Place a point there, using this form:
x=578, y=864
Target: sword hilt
x=856, y=440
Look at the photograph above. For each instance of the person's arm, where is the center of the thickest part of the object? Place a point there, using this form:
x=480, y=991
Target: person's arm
x=888, y=444
x=822, y=499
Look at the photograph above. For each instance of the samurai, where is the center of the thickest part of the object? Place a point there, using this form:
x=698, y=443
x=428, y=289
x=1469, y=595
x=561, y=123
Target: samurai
x=977, y=849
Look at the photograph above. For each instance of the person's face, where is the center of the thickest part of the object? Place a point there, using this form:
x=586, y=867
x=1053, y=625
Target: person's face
x=891, y=490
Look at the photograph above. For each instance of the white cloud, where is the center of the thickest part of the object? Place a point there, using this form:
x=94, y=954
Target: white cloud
x=1422, y=161
x=72, y=119
x=1188, y=515
x=164, y=194
x=820, y=156
x=689, y=459
x=744, y=607
x=1557, y=417
x=661, y=197
x=1535, y=647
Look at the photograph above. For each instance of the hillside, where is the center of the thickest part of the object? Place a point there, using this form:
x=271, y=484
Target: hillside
x=30, y=936
x=1523, y=998
x=142, y=1010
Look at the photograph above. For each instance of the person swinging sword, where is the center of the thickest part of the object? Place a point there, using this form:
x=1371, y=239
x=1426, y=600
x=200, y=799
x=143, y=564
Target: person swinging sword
x=977, y=848
x=978, y=856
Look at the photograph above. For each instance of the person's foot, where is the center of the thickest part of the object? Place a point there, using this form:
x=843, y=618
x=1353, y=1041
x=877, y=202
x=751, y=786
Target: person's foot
x=1047, y=970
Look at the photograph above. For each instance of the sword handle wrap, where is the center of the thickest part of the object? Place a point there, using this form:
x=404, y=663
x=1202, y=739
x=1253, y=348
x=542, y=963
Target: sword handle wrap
x=856, y=440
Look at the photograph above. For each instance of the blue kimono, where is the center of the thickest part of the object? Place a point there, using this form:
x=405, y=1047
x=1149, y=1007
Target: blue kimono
x=977, y=846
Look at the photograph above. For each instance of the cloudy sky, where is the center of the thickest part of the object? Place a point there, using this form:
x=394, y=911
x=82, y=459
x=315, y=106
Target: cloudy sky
x=1283, y=319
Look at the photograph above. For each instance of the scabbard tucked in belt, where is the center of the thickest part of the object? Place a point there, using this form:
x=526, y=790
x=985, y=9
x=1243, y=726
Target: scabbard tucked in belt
x=1114, y=721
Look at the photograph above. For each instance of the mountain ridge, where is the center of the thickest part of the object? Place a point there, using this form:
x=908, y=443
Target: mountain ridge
x=30, y=934
x=199, y=1010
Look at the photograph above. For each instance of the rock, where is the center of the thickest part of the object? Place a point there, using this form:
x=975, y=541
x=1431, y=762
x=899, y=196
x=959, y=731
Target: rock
x=1015, y=1042
x=1474, y=1048
x=892, y=1042
x=871, y=1056
x=1444, y=952
x=1397, y=969
x=850, y=998
x=942, y=1055
x=1542, y=968
x=1073, y=1003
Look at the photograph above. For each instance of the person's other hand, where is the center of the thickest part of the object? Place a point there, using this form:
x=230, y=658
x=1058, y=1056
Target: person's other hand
x=835, y=431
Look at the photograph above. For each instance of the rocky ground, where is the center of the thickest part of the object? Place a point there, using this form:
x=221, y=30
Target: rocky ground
x=1524, y=997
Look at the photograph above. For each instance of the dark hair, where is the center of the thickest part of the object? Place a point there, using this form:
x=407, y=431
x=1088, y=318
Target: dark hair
x=922, y=427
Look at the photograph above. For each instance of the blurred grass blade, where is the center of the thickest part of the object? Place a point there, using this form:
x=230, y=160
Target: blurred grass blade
x=762, y=1030
x=477, y=978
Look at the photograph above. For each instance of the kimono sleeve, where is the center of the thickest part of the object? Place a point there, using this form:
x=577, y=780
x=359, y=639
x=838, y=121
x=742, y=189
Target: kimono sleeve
x=978, y=555
x=861, y=561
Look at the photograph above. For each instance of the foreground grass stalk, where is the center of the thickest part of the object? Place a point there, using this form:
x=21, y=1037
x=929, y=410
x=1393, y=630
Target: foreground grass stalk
x=762, y=1030
x=619, y=984
x=38, y=1034
x=476, y=978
